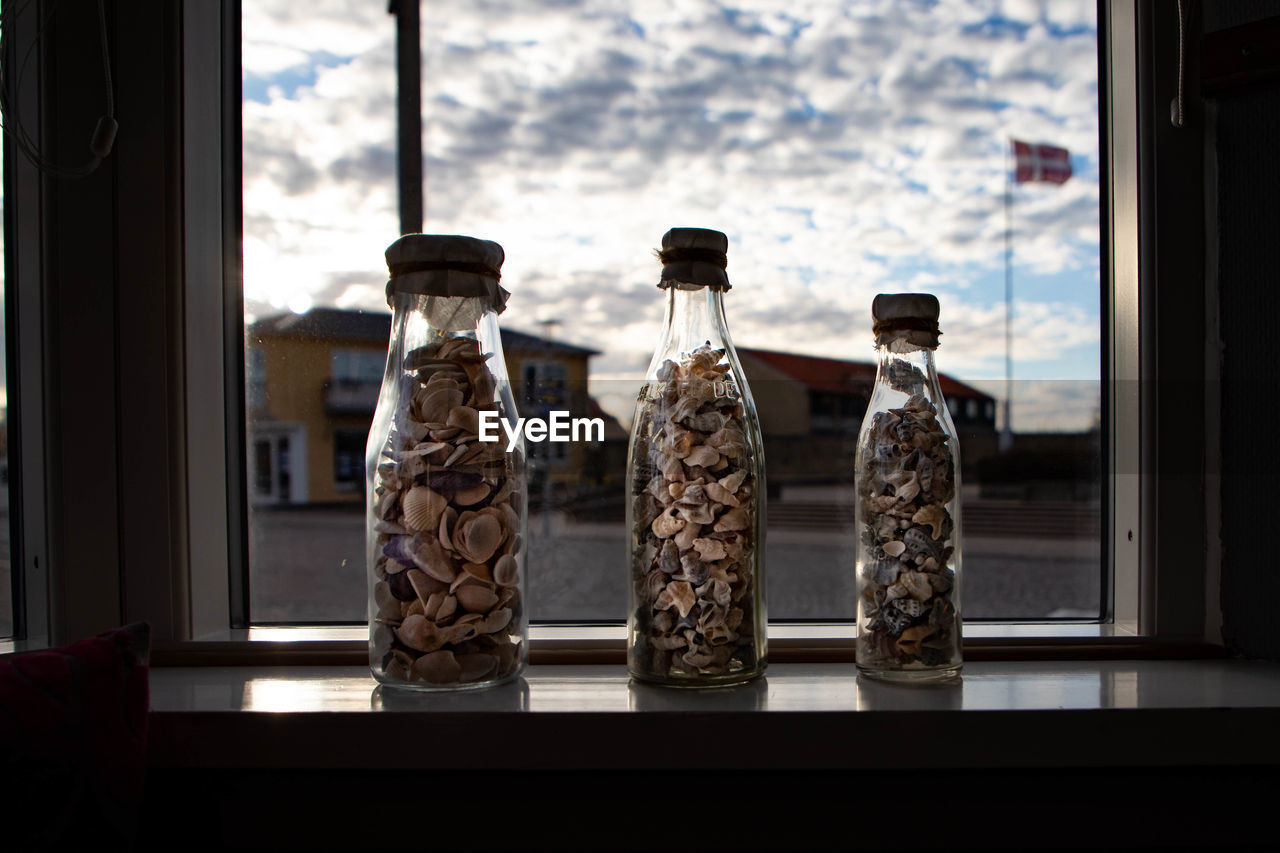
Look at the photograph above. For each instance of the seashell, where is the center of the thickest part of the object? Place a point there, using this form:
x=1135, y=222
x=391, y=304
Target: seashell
x=447, y=519
x=388, y=605
x=474, y=667
x=513, y=545
x=894, y=548
x=645, y=509
x=447, y=482
x=465, y=418
x=422, y=508
x=417, y=632
x=495, y=621
x=911, y=638
x=942, y=581
x=429, y=556
x=733, y=481
x=668, y=642
x=710, y=549
x=895, y=591
x=424, y=449
x=918, y=541
x=472, y=495
x=473, y=574
x=894, y=621
x=684, y=539
x=917, y=585
x=910, y=606
x=409, y=608
x=400, y=554
x=432, y=606
x=734, y=519
x=678, y=594
x=507, y=658
x=439, y=667
x=691, y=495
x=506, y=572
x=673, y=470
x=435, y=402
x=389, y=528
x=477, y=535
x=697, y=659
x=448, y=607
x=932, y=515
x=707, y=422
x=700, y=514
x=721, y=495
x=667, y=525
x=424, y=586
x=885, y=572
x=693, y=570
x=483, y=386
x=476, y=599
x=702, y=455
x=717, y=591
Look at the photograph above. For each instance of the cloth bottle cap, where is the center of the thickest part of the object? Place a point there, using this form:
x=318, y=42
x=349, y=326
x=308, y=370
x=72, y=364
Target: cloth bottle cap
x=693, y=258
x=447, y=265
x=913, y=316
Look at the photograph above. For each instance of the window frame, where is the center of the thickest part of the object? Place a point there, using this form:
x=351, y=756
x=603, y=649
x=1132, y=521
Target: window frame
x=204, y=582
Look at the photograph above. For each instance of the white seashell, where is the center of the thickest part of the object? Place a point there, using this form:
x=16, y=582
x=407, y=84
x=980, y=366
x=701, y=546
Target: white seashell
x=710, y=549
x=894, y=548
x=678, y=594
x=734, y=480
x=422, y=508
x=477, y=535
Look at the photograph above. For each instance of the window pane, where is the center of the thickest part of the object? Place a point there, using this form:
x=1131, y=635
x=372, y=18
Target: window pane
x=847, y=149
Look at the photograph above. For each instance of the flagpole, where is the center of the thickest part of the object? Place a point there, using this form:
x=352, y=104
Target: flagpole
x=1006, y=432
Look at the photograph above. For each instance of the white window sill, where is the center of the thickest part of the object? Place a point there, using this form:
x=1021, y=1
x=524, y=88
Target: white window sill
x=801, y=716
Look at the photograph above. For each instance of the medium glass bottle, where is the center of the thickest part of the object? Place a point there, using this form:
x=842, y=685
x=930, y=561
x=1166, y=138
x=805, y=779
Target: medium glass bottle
x=696, y=489
x=446, y=510
x=907, y=504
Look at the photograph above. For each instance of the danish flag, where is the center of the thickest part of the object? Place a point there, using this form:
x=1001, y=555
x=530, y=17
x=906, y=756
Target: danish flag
x=1044, y=163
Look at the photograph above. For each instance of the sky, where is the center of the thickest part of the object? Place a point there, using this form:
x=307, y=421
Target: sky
x=846, y=148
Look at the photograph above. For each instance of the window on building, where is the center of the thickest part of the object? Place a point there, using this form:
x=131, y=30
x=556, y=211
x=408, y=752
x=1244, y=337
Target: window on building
x=359, y=366
x=348, y=459
x=847, y=148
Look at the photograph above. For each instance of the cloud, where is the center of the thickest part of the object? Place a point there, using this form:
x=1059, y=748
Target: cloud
x=846, y=148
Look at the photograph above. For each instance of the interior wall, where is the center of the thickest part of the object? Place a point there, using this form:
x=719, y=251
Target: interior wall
x=1244, y=134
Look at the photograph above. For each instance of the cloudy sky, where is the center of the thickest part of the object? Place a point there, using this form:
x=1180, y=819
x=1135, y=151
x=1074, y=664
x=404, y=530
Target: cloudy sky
x=846, y=147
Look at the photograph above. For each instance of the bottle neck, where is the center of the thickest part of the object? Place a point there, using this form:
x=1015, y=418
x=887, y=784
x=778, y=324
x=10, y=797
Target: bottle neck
x=693, y=318
x=907, y=373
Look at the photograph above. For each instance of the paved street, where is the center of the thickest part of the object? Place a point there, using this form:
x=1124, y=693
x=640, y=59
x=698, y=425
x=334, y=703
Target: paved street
x=307, y=566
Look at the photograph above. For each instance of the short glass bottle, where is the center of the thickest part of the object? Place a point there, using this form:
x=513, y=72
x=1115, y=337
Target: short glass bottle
x=696, y=489
x=907, y=504
x=446, y=511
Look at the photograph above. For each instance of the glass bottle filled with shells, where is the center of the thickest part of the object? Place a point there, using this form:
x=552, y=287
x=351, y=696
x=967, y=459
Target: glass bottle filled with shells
x=446, y=511
x=696, y=489
x=907, y=504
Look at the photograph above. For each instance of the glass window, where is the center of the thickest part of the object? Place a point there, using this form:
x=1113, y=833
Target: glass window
x=846, y=148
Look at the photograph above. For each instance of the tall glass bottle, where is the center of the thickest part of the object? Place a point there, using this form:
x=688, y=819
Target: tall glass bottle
x=908, y=504
x=695, y=482
x=446, y=505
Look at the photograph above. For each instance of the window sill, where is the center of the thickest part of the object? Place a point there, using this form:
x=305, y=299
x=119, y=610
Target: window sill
x=1006, y=714
x=347, y=645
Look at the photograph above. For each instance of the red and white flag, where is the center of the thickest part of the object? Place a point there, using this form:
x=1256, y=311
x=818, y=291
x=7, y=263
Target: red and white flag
x=1045, y=163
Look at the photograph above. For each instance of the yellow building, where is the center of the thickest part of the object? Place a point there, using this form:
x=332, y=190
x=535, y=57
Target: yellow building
x=312, y=382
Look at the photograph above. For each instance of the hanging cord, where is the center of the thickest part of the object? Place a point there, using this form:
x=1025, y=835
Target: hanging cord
x=104, y=132
x=1178, y=114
